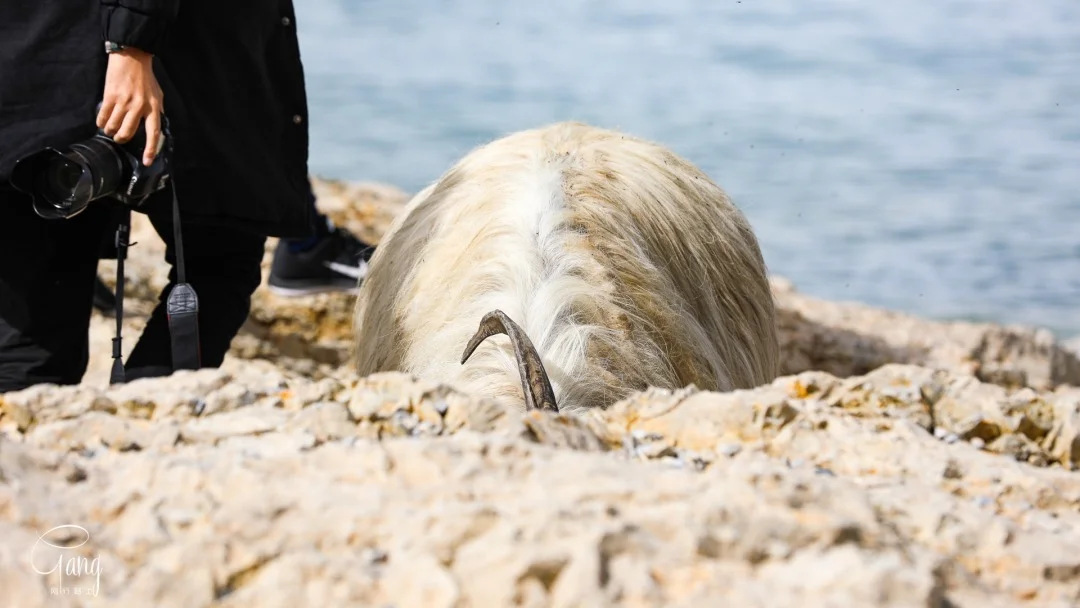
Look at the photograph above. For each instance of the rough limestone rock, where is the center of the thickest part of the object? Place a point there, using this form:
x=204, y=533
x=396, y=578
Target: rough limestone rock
x=847, y=338
x=253, y=485
x=1073, y=345
x=898, y=462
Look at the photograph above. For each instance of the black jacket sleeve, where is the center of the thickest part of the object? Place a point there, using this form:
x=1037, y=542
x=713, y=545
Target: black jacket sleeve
x=142, y=24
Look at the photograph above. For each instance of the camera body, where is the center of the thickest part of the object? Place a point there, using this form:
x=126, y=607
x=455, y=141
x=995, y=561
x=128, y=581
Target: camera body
x=62, y=182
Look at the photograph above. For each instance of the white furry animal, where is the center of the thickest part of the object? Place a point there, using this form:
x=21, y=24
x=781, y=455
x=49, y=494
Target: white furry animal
x=624, y=264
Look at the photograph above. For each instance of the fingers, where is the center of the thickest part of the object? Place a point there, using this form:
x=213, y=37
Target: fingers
x=107, y=106
x=114, y=119
x=130, y=119
x=132, y=94
x=120, y=121
x=153, y=136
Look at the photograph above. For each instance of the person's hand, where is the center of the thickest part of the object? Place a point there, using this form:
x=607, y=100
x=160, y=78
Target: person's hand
x=131, y=95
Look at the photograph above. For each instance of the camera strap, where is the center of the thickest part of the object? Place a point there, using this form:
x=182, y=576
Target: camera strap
x=182, y=305
x=123, y=231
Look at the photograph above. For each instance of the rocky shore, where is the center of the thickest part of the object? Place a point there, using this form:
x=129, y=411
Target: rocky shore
x=897, y=462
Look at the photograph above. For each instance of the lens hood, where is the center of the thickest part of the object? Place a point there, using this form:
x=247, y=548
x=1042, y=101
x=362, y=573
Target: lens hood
x=59, y=184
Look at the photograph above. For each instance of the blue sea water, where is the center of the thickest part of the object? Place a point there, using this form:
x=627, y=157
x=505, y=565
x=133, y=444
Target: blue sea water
x=920, y=155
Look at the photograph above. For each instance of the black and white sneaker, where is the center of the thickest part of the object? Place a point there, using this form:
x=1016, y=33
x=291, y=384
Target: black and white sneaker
x=338, y=262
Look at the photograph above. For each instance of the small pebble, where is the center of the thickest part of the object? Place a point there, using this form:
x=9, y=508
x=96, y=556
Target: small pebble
x=673, y=462
x=406, y=421
x=978, y=443
x=425, y=428
x=641, y=435
x=728, y=449
x=373, y=556
x=951, y=438
x=76, y=475
x=654, y=450
x=940, y=432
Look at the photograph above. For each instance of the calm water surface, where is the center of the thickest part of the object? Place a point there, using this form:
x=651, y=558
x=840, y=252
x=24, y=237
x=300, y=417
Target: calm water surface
x=923, y=155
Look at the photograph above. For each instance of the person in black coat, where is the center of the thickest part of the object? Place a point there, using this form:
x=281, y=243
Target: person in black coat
x=229, y=79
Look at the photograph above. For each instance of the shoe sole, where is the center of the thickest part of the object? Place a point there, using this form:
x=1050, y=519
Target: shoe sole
x=292, y=292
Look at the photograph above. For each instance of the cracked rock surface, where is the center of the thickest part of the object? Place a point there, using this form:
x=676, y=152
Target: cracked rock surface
x=249, y=485
x=898, y=462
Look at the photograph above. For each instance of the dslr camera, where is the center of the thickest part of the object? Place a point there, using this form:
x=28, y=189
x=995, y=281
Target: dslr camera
x=62, y=182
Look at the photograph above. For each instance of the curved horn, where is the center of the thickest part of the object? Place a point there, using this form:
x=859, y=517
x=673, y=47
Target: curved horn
x=534, y=378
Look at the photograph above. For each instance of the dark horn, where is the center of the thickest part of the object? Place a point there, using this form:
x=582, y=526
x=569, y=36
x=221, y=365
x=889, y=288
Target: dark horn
x=534, y=378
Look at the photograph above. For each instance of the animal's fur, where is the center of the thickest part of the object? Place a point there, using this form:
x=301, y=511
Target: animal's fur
x=625, y=265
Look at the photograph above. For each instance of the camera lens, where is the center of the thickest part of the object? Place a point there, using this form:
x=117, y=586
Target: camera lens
x=68, y=181
x=63, y=182
x=98, y=158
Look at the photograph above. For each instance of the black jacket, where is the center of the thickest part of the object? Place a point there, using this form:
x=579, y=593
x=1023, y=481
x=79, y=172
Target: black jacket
x=233, y=90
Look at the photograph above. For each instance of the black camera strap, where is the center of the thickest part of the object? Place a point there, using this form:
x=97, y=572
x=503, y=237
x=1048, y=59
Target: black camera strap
x=123, y=231
x=182, y=305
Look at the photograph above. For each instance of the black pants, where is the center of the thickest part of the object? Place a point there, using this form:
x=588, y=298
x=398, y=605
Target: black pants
x=47, y=273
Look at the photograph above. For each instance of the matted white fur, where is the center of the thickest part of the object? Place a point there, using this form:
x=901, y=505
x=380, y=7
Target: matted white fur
x=625, y=265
